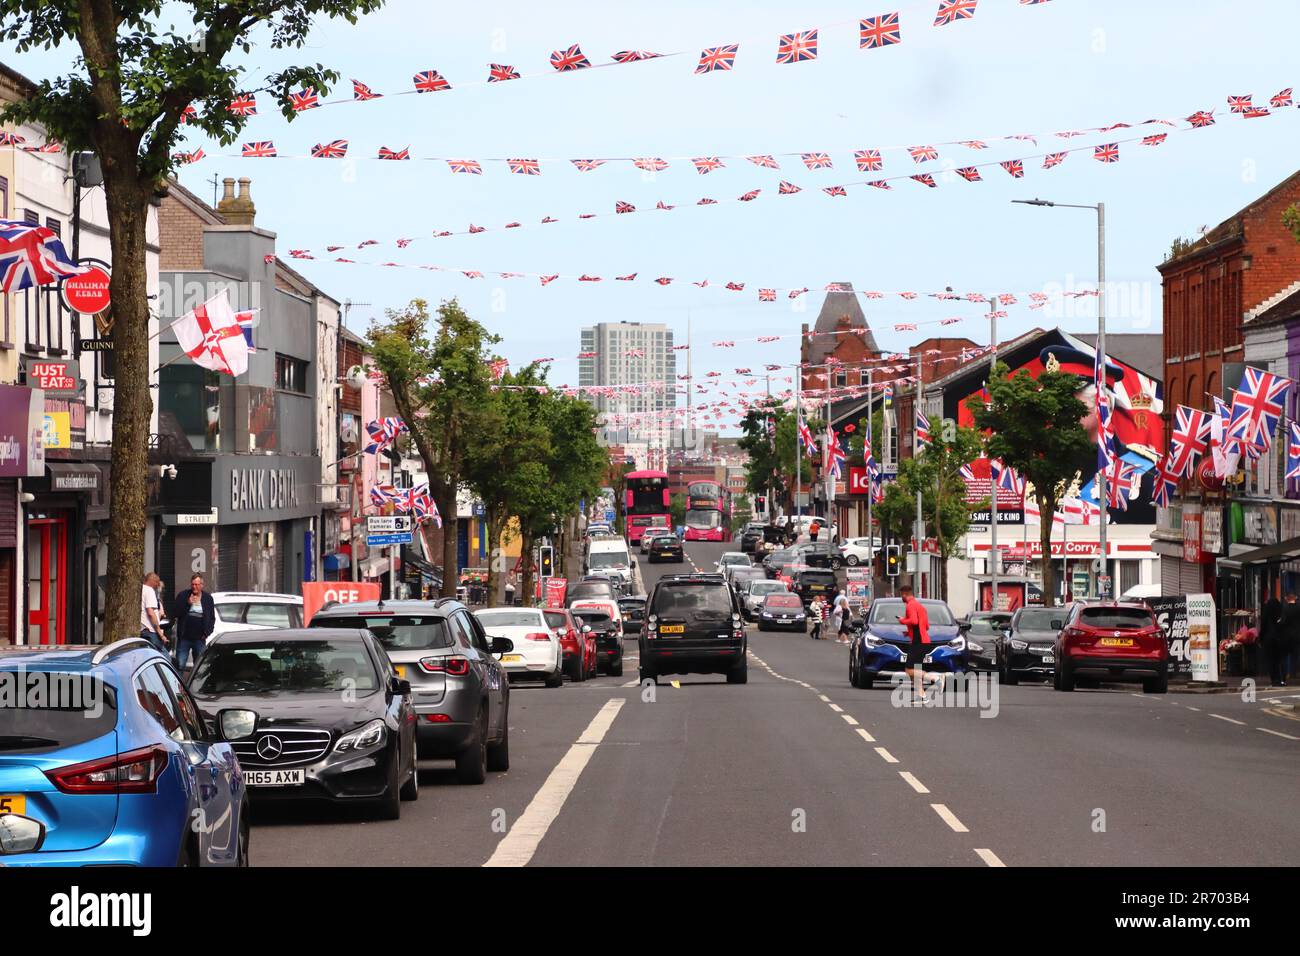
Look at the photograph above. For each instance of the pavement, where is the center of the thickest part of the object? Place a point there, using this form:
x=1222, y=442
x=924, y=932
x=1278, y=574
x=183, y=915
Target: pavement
x=799, y=768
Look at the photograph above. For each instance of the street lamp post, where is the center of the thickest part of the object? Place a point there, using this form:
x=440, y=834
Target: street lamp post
x=1103, y=588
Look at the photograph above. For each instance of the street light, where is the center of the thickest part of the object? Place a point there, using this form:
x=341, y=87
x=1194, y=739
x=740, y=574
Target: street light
x=1100, y=210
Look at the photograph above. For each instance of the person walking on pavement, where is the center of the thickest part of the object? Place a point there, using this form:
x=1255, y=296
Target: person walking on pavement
x=151, y=612
x=510, y=592
x=844, y=614
x=1281, y=656
x=1270, y=630
x=816, y=609
x=917, y=622
x=195, y=615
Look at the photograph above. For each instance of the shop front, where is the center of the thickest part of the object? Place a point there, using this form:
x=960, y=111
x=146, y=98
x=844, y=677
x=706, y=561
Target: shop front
x=22, y=456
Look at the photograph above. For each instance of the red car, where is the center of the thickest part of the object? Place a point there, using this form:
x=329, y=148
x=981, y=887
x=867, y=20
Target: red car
x=579, y=648
x=1112, y=642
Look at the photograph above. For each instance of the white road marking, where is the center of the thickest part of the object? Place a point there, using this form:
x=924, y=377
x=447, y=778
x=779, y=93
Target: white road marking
x=866, y=736
x=886, y=756
x=823, y=698
x=989, y=857
x=837, y=708
x=1240, y=723
x=1277, y=733
x=634, y=683
x=1197, y=709
x=915, y=784
x=848, y=719
x=518, y=846
x=949, y=818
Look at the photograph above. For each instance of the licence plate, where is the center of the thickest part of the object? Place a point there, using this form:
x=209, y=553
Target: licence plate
x=816, y=587
x=665, y=554
x=673, y=629
x=275, y=778
x=401, y=670
x=511, y=658
x=13, y=803
x=1116, y=642
x=1049, y=659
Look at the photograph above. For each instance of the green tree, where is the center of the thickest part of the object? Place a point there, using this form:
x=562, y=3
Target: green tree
x=677, y=508
x=441, y=386
x=1291, y=219
x=1034, y=426
x=124, y=98
x=771, y=457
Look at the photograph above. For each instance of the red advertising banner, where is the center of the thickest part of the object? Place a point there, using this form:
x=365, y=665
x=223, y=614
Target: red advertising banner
x=316, y=594
x=556, y=589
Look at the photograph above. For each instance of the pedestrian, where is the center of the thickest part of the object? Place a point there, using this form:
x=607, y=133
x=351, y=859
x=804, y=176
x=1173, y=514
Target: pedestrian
x=195, y=615
x=151, y=612
x=815, y=612
x=510, y=591
x=1271, y=619
x=917, y=622
x=845, y=614
x=813, y=530
x=1281, y=658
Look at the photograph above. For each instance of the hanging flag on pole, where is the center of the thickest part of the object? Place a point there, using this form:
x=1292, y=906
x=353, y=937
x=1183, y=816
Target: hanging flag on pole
x=32, y=255
x=923, y=439
x=211, y=335
x=1293, y=453
x=383, y=433
x=806, y=439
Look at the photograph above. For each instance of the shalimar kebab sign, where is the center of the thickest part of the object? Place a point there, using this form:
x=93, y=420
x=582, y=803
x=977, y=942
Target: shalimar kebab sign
x=88, y=294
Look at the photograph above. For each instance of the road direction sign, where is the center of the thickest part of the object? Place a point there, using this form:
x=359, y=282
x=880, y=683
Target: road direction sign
x=383, y=540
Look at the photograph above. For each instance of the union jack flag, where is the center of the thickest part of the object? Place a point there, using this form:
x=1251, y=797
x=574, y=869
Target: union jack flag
x=32, y=255
x=1255, y=112
x=336, y=149
x=1239, y=104
x=797, y=47
x=468, y=166
x=953, y=10
x=360, y=91
x=806, y=439
x=663, y=205
x=586, y=278
x=570, y=59
x=306, y=100
x=973, y=143
x=795, y=293
x=1005, y=477
x=525, y=167
x=834, y=458
x=634, y=56
x=260, y=149
x=547, y=280
x=245, y=104
x=707, y=164
x=1280, y=99
x=967, y=473
x=381, y=495
x=1119, y=482
x=193, y=157
x=706, y=202
x=1014, y=167
x=187, y=114
x=1165, y=486
x=816, y=160
x=923, y=439
x=430, y=81
x=1189, y=441
x=786, y=189
x=735, y=287
x=383, y=432
x=878, y=31
x=1256, y=407
x=587, y=165
x=386, y=153
x=906, y=327
x=970, y=173
x=921, y=153
x=925, y=179
x=500, y=72
x=53, y=146
x=651, y=164
x=835, y=190
x=715, y=58
x=767, y=162
x=630, y=277
x=868, y=160
x=621, y=207
x=1154, y=140
x=749, y=196
x=476, y=229
x=664, y=280
x=1293, y=453
x=880, y=184
x=1106, y=153
x=1201, y=118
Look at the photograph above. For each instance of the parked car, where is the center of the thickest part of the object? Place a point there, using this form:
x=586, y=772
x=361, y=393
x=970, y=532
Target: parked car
x=1028, y=648
x=774, y=560
x=609, y=639
x=782, y=610
x=859, y=550
x=537, y=653
x=579, y=647
x=1117, y=642
x=313, y=701
x=693, y=626
x=117, y=773
x=751, y=599
x=652, y=532
x=253, y=610
x=820, y=554
x=808, y=583
x=881, y=645
x=598, y=528
x=632, y=609
x=733, y=559
x=740, y=578
x=983, y=638
x=751, y=537
x=665, y=547
x=460, y=696
x=598, y=596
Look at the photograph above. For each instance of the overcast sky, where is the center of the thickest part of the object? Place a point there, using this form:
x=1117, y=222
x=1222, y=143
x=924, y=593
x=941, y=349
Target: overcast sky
x=1063, y=64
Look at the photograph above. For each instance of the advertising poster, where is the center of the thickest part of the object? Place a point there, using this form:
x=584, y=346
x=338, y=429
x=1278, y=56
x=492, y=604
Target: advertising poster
x=1171, y=615
x=316, y=594
x=556, y=588
x=1202, y=637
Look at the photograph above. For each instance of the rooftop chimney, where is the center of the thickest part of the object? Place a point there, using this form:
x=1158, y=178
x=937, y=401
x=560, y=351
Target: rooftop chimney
x=238, y=211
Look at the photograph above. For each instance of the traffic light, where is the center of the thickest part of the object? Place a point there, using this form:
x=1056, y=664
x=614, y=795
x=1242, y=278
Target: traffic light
x=547, y=561
x=760, y=504
x=892, y=554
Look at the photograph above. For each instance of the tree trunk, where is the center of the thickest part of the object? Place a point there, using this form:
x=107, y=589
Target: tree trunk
x=526, y=584
x=1046, y=508
x=132, y=402
x=496, y=552
x=447, y=505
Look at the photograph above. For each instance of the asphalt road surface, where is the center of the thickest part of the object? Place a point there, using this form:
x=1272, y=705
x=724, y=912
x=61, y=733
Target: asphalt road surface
x=798, y=768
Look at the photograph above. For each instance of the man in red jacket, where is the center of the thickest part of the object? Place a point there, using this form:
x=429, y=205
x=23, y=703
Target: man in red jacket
x=917, y=622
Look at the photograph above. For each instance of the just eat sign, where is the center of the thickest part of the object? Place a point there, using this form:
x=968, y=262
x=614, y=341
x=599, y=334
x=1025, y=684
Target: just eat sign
x=56, y=378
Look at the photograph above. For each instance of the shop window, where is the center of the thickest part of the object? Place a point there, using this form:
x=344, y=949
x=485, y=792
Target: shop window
x=290, y=374
x=1129, y=575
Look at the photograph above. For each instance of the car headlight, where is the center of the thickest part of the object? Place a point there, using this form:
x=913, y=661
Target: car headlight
x=767, y=614
x=363, y=738
x=872, y=641
x=958, y=643
x=976, y=648
x=1019, y=645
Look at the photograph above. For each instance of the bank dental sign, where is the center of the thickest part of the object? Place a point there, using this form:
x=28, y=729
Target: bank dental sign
x=248, y=488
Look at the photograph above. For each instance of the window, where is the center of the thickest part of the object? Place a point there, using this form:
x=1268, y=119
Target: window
x=54, y=226
x=188, y=710
x=478, y=637
x=396, y=633
x=157, y=700
x=290, y=374
x=271, y=615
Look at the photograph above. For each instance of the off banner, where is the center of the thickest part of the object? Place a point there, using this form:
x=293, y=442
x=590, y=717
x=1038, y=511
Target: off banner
x=316, y=594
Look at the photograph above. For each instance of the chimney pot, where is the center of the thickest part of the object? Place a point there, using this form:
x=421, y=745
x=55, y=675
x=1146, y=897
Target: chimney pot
x=237, y=210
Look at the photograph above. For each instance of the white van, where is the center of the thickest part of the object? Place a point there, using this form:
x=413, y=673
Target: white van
x=608, y=554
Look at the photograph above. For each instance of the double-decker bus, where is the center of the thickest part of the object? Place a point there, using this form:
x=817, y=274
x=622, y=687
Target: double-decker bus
x=707, y=512
x=646, y=503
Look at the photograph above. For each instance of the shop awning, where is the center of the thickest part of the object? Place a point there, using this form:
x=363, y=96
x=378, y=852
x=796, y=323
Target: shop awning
x=1289, y=548
x=73, y=476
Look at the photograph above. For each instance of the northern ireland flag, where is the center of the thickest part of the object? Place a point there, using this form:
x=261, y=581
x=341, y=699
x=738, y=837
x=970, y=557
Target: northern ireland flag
x=212, y=336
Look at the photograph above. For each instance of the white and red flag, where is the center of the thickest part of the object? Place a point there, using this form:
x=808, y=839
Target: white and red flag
x=211, y=335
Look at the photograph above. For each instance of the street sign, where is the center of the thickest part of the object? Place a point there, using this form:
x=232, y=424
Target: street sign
x=383, y=540
x=609, y=516
x=87, y=293
x=389, y=524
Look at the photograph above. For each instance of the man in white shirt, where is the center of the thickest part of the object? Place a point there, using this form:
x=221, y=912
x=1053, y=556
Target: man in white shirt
x=151, y=612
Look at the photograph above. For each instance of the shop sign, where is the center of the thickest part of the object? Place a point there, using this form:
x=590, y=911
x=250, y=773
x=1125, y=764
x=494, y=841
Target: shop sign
x=57, y=378
x=1202, y=639
x=1192, y=538
x=1212, y=531
x=1259, y=524
x=22, y=431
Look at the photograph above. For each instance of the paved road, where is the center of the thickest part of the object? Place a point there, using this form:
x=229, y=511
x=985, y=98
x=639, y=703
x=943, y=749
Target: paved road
x=797, y=767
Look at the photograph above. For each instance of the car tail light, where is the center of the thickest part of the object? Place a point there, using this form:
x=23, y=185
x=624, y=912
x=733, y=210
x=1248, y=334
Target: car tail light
x=451, y=666
x=538, y=636
x=136, y=771
x=437, y=718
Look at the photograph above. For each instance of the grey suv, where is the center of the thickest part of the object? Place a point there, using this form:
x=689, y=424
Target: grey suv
x=458, y=686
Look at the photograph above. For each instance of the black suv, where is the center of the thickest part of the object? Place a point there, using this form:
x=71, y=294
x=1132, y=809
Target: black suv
x=811, y=582
x=693, y=626
x=820, y=554
x=752, y=537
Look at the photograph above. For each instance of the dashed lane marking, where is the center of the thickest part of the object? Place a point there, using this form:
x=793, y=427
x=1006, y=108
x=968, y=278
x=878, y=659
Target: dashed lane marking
x=1197, y=709
x=915, y=784
x=1276, y=733
x=989, y=857
x=886, y=756
x=837, y=708
x=948, y=817
x=1231, y=720
x=866, y=736
x=849, y=719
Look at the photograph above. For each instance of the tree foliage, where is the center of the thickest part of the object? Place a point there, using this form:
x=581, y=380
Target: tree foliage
x=1291, y=219
x=771, y=456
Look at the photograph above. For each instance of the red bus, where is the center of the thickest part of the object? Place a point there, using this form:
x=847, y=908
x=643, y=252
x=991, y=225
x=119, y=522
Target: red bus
x=647, y=503
x=707, y=512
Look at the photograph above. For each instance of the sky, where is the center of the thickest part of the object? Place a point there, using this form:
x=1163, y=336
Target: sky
x=1062, y=64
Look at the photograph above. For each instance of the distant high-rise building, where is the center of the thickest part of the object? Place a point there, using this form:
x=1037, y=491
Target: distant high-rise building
x=639, y=354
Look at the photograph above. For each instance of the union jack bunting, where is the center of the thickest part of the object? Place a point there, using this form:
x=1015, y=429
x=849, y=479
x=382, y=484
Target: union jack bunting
x=797, y=47
x=1293, y=452
x=32, y=255
x=335, y=149
x=835, y=190
x=816, y=160
x=500, y=72
x=1014, y=167
x=1189, y=440
x=1165, y=486
x=1106, y=153
x=707, y=164
x=1154, y=140
x=922, y=429
x=715, y=58
x=634, y=56
x=1255, y=112
x=475, y=229
x=766, y=295
x=1239, y=104
x=970, y=174
x=630, y=277
x=767, y=162
x=664, y=280
x=786, y=189
x=663, y=205
x=470, y=166
x=587, y=165
x=921, y=153
x=925, y=179
x=546, y=280
x=193, y=157
x=360, y=91
x=570, y=59
x=874, y=32
x=1256, y=407
x=651, y=164
x=430, y=81
x=187, y=114
x=635, y=353
x=524, y=167
x=383, y=432
x=586, y=278
x=395, y=154
x=806, y=439
x=795, y=293
x=868, y=160
x=262, y=148
x=735, y=287
x=305, y=100
x=906, y=327
x=245, y=104
x=952, y=10
x=1201, y=118
x=1281, y=99
x=880, y=184
x=622, y=207
x=1053, y=159
x=749, y=196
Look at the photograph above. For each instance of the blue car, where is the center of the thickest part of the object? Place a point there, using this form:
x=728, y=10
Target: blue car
x=881, y=646
x=105, y=760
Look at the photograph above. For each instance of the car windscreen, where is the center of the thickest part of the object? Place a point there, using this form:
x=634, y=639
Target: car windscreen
x=664, y=541
x=783, y=600
x=1039, y=618
x=693, y=602
x=285, y=666
x=597, y=619
x=985, y=625
x=42, y=710
x=765, y=586
x=890, y=612
x=1116, y=618
x=397, y=632
x=607, y=559
x=592, y=590
x=490, y=619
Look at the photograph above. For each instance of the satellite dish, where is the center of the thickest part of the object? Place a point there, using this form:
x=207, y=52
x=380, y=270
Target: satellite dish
x=356, y=378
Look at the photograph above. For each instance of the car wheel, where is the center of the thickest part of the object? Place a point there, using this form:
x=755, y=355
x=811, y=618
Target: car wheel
x=245, y=835
x=836, y=564
x=1067, y=678
x=577, y=673
x=1157, y=685
x=852, y=560
x=555, y=680
x=411, y=789
x=390, y=804
x=740, y=673
x=498, y=754
x=471, y=763
x=647, y=674
x=616, y=667
x=855, y=679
